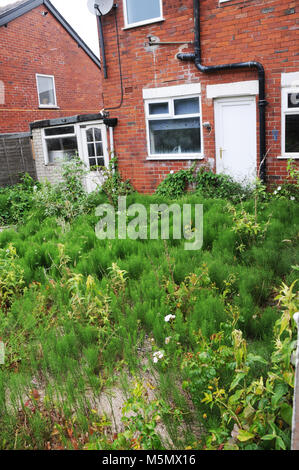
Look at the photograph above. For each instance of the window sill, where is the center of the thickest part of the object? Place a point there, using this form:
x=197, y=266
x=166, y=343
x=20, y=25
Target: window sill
x=288, y=157
x=176, y=157
x=143, y=23
x=48, y=107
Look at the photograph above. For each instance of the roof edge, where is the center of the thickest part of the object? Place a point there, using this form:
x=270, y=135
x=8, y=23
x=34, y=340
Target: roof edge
x=20, y=10
x=66, y=120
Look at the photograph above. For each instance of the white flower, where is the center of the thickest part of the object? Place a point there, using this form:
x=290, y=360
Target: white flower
x=169, y=317
x=275, y=192
x=279, y=188
x=171, y=172
x=167, y=340
x=158, y=355
x=292, y=198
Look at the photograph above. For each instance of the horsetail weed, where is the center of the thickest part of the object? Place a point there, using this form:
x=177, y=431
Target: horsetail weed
x=78, y=313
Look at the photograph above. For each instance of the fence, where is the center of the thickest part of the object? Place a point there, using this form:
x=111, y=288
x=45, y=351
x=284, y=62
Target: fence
x=16, y=158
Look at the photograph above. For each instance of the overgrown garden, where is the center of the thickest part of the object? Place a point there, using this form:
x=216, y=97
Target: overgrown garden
x=200, y=343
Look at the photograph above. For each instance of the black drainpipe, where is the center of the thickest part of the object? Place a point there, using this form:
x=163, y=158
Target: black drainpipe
x=196, y=57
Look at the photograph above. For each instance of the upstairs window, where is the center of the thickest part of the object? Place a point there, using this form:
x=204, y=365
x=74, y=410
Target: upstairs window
x=46, y=91
x=290, y=122
x=139, y=12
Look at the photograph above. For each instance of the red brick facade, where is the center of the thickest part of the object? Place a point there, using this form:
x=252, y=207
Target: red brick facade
x=251, y=30
x=34, y=43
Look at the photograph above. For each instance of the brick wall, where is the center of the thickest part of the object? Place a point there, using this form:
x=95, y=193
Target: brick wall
x=50, y=172
x=32, y=44
x=249, y=30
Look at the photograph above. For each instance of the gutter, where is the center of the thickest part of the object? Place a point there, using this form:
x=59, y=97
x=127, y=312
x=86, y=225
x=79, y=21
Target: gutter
x=196, y=58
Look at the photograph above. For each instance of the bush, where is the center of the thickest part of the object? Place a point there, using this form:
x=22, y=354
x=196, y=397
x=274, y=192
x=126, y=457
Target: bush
x=211, y=185
x=113, y=185
x=174, y=185
x=16, y=201
x=68, y=198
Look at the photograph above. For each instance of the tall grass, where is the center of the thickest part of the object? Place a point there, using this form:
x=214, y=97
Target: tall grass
x=51, y=341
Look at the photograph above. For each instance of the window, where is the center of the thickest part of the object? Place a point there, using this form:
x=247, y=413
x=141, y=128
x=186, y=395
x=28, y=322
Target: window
x=290, y=122
x=95, y=148
x=46, y=91
x=139, y=12
x=61, y=143
x=174, y=128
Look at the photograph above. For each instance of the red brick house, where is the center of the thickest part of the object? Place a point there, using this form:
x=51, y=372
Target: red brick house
x=46, y=69
x=212, y=81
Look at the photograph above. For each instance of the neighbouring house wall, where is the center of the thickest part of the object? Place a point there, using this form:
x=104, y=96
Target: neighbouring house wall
x=50, y=172
x=32, y=44
x=234, y=31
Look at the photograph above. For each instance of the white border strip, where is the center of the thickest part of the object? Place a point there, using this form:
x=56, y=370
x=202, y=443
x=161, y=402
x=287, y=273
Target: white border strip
x=171, y=91
x=233, y=89
x=290, y=79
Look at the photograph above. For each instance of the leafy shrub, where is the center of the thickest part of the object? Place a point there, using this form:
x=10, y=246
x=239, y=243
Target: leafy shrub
x=11, y=276
x=287, y=189
x=211, y=185
x=113, y=185
x=68, y=198
x=175, y=184
x=16, y=201
x=248, y=411
x=247, y=228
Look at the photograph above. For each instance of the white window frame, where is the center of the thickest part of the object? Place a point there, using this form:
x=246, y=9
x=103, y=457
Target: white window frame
x=45, y=138
x=284, y=112
x=141, y=23
x=171, y=115
x=38, y=93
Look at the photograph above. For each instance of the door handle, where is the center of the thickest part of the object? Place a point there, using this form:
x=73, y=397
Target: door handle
x=221, y=152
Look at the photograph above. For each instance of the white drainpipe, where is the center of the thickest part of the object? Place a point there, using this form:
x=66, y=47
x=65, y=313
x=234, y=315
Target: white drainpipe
x=111, y=138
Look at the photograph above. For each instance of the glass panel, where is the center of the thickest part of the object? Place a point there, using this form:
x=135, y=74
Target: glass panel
x=92, y=162
x=60, y=130
x=46, y=91
x=158, y=108
x=99, y=149
x=293, y=100
x=175, y=136
x=141, y=10
x=89, y=135
x=62, y=143
x=98, y=135
x=186, y=106
x=91, y=150
x=101, y=161
x=173, y=124
x=62, y=149
x=292, y=133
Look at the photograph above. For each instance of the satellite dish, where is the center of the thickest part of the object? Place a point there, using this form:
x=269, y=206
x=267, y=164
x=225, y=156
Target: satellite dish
x=100, y=7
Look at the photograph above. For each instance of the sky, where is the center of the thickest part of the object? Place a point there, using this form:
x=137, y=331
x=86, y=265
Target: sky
x=79, y=17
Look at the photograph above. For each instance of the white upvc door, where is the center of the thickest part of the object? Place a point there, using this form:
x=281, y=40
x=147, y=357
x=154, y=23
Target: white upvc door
x=235, y=134
x=95, y=153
